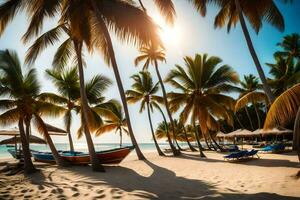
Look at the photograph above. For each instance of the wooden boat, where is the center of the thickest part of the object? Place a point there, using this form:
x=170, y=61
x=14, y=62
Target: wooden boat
x=16, y=154
x=113, y=156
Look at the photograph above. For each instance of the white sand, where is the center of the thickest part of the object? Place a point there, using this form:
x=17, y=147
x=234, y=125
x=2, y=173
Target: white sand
x=185, y=177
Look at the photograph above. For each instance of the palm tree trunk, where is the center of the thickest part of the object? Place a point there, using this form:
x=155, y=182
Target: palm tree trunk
x=120, y=137
x=167, y=107
x=198, y=142
x=118, y=78
x=214, y=141
x=187, y=139
x=257, y=115
x=296, y=136
x=248, y=115
x=142, y=5
x=152, y=131
x=69, y=131
x=27, y=129
x=206, y=142
x=70, y=140
x=28, y=165
x=58, y=159
x=260, y=71
x=96, y=166
x=168, y=133
x=237, y=118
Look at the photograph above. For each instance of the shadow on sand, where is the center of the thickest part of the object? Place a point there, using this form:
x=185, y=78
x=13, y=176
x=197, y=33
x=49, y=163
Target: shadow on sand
x=160, y=184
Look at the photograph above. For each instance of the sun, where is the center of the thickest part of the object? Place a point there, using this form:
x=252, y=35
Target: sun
x=169, y=34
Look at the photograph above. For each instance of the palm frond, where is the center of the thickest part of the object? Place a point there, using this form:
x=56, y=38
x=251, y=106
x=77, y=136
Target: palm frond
x=284, y=108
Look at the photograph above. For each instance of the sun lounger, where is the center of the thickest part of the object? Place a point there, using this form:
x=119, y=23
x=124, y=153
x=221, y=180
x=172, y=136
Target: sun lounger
x=275, y=148
x=241, y=155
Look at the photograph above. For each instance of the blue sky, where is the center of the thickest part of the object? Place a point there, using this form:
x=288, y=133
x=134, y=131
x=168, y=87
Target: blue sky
x=195, y=35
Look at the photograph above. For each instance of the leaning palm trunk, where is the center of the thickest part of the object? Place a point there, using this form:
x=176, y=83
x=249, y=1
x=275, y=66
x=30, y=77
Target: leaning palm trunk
x=70, y=140
x=206, y=142
x=187, y=140
x=118, y=78
x=296, y=139
x=28, y=165
x=120, y=137
x=152, y=131
x=214, y=141
x=260, y=71
x=237, y=118
x=257, y=115
x=198, y=141
x=69, y=133
x=167, y=108
x=58, y=159
x=167, y=132
x=96, y=166
x=248, y=115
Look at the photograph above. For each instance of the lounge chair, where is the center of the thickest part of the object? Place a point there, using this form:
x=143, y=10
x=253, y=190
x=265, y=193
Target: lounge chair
x=275, y=148
x=242, y=155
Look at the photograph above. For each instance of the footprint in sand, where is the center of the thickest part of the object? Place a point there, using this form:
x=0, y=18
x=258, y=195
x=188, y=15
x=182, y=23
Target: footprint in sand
x=40, y=187
x=24, y=191
x=76, y=194
x=74, y=189
x=99, y=197
x=99, y=191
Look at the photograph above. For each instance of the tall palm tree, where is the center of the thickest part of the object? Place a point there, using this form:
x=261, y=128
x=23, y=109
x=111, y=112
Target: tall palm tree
x=127, y=21
x=151, y=55
x=249, y=93
x=285, y=72
x=201, y=86
x=233, y=11
x=67, y=84
x=144, y=91
x=290, y=47
x=23, y=90
x=286, y=109
x=115, y=122
x=166, y=8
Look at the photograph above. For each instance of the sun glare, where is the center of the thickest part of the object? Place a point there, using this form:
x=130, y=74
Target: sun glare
x=169, y=34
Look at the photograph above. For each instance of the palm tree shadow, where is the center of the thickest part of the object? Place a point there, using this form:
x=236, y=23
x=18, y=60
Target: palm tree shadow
x=262, y=162
x=161, y=184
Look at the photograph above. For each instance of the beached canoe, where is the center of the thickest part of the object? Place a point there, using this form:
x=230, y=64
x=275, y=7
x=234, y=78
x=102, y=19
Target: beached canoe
x=113, y=156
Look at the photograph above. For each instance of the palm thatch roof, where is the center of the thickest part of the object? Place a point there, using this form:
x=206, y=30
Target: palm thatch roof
x=17, y=139
x=55, y=131
x=275, y=131
x=9, y=132
x=236, y=133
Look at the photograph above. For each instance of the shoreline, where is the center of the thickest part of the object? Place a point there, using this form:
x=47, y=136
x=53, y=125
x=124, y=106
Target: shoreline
x=185, y=177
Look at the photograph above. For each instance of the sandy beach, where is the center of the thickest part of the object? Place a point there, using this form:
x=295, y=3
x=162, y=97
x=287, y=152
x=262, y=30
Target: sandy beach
x=185, y=177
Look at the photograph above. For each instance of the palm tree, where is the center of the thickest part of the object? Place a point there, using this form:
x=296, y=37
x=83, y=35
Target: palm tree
x=249, y=93
x=116, y=121
x=23, y=92
x=166, y=8
x=291, y=47
x=257, y=12
x=285, y=72
x=201, y=86
x=151, y=55
x=144, y=90
x=67, y=84
x=128, y=22
x=285, y=109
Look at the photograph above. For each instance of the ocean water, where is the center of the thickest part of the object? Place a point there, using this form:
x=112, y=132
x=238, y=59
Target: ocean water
x=80, y=147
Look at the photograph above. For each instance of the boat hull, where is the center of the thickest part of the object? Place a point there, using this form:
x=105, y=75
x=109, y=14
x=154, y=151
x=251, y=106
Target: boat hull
x=113, y=156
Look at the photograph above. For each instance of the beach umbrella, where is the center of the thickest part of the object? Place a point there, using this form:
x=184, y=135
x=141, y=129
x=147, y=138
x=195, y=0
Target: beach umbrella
x=52, y=130
x=9, y=132
x=17, y=139
x=276, y=131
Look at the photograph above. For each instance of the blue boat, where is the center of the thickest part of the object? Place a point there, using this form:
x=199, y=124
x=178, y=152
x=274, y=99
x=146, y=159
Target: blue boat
x=48, y=157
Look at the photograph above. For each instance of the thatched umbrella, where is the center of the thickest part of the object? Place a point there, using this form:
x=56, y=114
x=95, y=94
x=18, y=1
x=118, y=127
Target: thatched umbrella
x=52, y=130
x=276, y=131
x=17, y=139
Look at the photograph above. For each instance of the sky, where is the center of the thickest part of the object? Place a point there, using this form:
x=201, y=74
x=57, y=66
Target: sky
x=190, y=34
